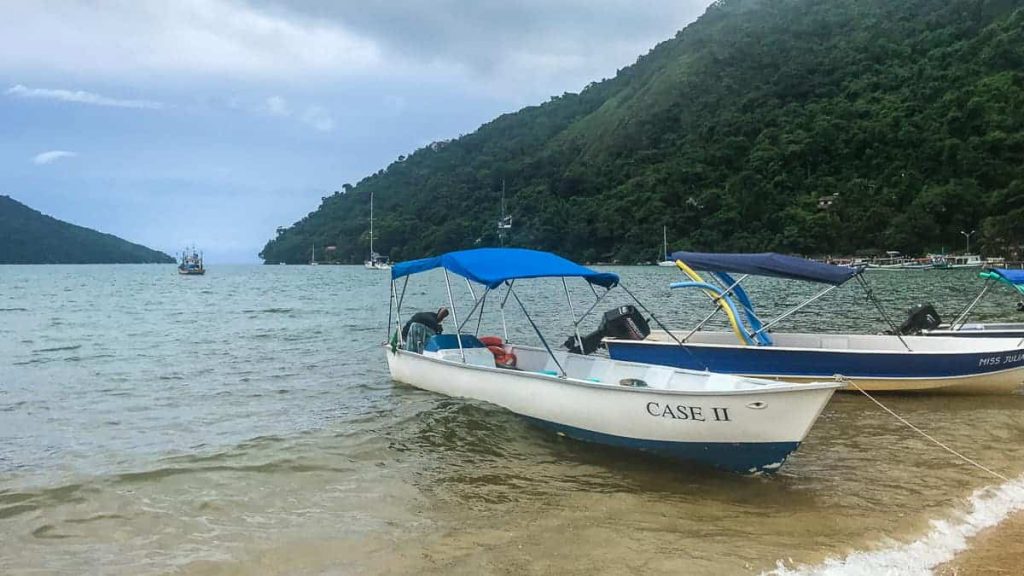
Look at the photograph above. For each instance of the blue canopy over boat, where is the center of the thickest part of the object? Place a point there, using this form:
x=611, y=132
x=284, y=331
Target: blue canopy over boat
x=768, y=264
x=1015, y=277
x=492, y=266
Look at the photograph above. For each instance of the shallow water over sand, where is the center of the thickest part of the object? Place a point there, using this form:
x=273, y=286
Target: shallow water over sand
x=244, y=422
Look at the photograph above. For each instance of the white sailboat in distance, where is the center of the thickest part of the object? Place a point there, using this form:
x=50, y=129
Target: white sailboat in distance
x=375, y=261
x=664, y=258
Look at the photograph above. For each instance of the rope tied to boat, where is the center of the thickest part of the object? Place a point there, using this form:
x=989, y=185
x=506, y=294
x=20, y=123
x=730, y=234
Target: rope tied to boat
x=847, y=381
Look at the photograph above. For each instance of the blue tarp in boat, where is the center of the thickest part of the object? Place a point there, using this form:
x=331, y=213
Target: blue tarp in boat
x=1015, y=277
x=492, y=266
x=768, y=264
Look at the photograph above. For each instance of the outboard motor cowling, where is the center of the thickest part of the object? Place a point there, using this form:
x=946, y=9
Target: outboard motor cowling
x=624, y=322
x=920, y=317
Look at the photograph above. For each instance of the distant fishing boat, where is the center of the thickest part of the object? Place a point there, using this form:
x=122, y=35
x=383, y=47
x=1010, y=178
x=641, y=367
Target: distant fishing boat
x=893, y=261
x=739, y=424
x=665, y=259
x=375, y=261
x=191, y=263
x=895, y=362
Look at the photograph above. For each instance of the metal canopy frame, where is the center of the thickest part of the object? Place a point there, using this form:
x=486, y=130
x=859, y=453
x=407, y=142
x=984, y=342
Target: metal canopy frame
x=727, y=291
x=397, y=299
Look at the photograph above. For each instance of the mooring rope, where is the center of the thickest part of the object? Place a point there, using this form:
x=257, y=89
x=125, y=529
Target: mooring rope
x=922, y=432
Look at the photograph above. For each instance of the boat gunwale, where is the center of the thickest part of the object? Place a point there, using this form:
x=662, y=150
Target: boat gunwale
x=874, y=351
x=768, y=386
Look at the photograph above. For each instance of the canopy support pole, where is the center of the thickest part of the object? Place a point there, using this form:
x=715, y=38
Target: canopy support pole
x=508, y=291
x=662, y=326
x=537, y=330
x=398, y=312
x=702, y=322
x=476, y=302
x=718, y=306
x=592, y=306
x=794, y=309
x=391, y=303
x=480, y=316
x=455, y=315
x=871, y=296
x=961, y=318
x=572, y=314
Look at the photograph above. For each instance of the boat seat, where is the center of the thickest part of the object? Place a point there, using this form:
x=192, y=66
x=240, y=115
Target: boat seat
x=449, y=341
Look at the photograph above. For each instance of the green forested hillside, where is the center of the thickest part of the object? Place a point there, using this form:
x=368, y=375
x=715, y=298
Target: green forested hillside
x=29, y=237
x=912, y=111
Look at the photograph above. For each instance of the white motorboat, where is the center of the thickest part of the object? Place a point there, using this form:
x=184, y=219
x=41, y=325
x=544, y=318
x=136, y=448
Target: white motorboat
x=734, y=423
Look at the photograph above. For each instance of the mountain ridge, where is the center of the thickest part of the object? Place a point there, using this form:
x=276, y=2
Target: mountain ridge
x=28, y=236
x=908, y=114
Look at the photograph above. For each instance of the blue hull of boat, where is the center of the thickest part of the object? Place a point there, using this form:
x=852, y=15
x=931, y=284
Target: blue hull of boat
x=820, y=364
x=744, y=458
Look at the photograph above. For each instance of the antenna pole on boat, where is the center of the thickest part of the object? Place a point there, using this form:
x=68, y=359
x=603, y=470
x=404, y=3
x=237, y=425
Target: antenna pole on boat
x=455, y=315
x=537, y=330
x=572, y=314
x=871, y=296
x=662, y=326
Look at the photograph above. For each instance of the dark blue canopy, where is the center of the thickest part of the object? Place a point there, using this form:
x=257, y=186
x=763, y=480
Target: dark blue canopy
x=492, y=266
x=768, y=264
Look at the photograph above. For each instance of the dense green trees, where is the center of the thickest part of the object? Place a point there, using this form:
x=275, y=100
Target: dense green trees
x=911, y=111
x=29, y=237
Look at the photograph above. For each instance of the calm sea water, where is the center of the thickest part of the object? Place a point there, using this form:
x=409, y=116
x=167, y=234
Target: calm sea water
x=244, y=422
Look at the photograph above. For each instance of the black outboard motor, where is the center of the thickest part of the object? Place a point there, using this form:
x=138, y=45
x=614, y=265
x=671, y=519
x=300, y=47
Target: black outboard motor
x=920, y=317
x=624, y=322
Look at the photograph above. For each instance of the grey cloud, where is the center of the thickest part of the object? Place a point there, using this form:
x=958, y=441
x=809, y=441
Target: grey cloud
x=491, y=38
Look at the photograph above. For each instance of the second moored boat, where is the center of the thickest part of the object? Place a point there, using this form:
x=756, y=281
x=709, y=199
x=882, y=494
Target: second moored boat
x=883, y=362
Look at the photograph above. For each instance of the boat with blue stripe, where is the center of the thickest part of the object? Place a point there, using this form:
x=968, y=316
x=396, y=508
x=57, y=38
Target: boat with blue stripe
x=739, y=424
x=874, y=362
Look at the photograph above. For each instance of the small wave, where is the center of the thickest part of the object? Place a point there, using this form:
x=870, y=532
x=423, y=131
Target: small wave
x=13, y=309
x=269, y=311
x=989, y=507
x=59, y=348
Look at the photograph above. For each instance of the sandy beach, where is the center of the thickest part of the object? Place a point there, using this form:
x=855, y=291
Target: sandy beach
x=998, y=551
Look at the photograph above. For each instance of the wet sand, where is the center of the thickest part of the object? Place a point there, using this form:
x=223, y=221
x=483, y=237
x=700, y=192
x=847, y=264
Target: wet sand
x=997, y=551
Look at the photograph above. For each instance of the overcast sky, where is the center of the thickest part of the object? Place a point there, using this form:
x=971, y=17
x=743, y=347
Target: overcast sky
x=215, y=121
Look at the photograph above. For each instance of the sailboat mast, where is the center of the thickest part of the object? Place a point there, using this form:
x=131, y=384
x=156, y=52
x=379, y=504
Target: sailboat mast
x=371, y=224
x=664, y=242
